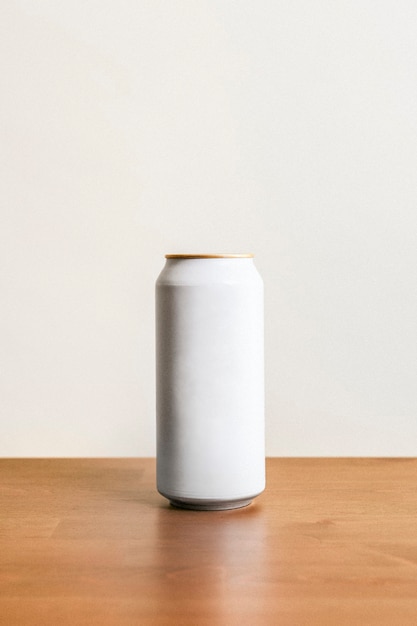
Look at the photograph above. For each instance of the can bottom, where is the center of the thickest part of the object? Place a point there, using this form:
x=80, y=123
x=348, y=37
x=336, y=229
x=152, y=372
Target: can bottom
x=209, y=505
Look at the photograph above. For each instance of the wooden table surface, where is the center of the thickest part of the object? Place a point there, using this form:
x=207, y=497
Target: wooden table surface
x=90, y=541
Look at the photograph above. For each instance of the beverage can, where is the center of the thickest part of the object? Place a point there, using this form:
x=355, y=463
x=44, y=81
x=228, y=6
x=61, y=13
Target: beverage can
x=210, y=381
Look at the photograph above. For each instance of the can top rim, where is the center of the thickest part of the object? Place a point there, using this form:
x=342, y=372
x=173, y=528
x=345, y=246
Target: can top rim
x=210, y=256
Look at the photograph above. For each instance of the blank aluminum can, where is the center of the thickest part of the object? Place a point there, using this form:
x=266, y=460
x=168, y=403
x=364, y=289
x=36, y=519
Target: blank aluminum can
x=210, y=381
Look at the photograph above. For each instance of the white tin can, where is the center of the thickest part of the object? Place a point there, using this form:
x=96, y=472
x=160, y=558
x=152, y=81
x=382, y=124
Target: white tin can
x=210, y=381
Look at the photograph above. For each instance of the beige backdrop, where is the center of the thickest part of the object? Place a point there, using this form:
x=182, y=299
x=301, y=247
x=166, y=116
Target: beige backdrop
x=134, y=128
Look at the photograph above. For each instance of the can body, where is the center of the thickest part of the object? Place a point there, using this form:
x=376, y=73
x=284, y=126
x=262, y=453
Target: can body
x=210, y=381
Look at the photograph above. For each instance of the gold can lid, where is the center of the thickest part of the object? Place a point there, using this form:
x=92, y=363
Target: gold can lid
x=210, y=256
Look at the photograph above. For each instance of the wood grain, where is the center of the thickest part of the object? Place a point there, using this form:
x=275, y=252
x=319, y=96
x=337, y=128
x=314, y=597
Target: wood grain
x=89, y=541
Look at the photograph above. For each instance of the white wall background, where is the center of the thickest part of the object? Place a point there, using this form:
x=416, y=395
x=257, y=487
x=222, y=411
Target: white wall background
x=133, y=128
